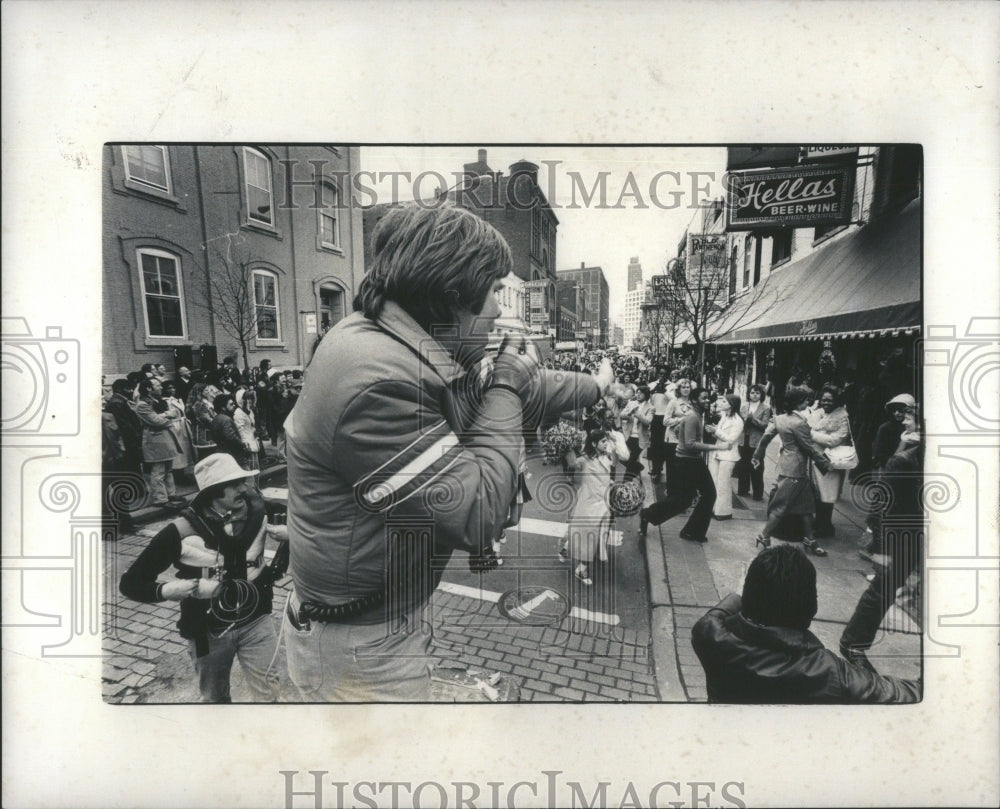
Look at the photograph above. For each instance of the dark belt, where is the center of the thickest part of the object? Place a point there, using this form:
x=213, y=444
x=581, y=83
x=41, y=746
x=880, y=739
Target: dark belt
x=309, y=611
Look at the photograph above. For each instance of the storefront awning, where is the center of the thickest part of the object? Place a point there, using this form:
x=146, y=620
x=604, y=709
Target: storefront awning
x=866, y=283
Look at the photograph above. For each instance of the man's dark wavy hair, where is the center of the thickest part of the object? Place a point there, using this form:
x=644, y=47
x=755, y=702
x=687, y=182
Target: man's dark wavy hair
x=430, y=260
x=780, y=588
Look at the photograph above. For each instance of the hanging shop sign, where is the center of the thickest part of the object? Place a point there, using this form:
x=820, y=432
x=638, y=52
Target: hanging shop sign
x=789, y=198
x=535, y=298
x=539, y=317
x=706, y=258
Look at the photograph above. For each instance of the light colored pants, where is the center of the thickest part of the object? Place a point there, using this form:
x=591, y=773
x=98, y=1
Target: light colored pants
x=722, y=471
x=254, y=645
x=160, y=481
x=337, y=662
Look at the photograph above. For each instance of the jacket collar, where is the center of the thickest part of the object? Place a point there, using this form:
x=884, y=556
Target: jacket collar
x=395, y=320
x=773, y=637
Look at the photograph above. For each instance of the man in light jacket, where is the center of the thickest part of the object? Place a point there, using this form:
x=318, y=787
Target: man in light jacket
x=159, y=444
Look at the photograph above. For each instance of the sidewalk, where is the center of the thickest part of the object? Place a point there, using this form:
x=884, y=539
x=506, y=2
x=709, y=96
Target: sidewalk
x=687, y=578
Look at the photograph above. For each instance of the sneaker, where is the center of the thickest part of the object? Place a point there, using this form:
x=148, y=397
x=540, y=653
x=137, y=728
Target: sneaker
x=583, y=575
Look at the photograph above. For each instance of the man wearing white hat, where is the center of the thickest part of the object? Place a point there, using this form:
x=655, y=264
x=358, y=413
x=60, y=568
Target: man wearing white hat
x=217, y=548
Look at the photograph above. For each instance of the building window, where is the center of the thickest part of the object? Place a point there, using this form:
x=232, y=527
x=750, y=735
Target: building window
x=265, y=299
x=781, y=246
x=257, y=170
x=329, y=223
x=163, y=301
x=536, y=226
x=747, y=251
x=148, y=166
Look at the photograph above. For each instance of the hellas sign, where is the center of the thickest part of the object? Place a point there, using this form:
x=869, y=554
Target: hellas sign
x=789, y=198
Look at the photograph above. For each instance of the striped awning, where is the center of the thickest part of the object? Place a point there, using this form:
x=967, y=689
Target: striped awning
x=864, y=284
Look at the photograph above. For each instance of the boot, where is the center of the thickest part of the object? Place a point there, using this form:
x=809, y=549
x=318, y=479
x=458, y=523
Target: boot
x=823, y=528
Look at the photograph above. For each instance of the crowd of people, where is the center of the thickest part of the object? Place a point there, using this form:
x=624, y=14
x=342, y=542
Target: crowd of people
x=408, y=443
x=158, y=425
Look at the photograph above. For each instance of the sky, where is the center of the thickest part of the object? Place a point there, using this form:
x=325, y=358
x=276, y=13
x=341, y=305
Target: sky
x=643, y=210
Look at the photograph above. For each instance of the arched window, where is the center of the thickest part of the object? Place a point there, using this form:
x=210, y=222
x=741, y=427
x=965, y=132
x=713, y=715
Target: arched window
x=329, y=219
x=162, y=293
x=257, y=174
x=265, y=299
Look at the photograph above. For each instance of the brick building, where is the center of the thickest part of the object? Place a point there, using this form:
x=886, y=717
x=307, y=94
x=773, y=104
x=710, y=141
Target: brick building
x=183, y=225
x=571, y=309
x=598, y=301
x=516, y=206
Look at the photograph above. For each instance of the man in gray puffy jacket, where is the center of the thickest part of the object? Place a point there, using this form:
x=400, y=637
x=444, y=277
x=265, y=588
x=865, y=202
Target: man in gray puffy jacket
x=403, y=449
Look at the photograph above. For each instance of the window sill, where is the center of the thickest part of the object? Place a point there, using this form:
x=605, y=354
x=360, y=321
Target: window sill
x=278, y=343
x=134, y=189
x=781, y=263
x=331, y=248
x=166, y=342
x=261, y=227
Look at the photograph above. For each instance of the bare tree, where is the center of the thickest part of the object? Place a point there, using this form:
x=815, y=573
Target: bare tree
x=660, y=323
x=703, y=297
x=232, y=299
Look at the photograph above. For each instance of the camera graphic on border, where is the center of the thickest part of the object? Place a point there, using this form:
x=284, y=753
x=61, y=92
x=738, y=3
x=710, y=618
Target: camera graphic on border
x=41, y=381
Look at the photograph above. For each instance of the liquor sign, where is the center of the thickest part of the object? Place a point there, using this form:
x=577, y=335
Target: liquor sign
x=810, y=153
x=661, y=285
x=789, y=198
x=539, y=317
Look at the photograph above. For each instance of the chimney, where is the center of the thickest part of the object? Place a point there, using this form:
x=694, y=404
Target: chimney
x=583, y=265
x=482, y=155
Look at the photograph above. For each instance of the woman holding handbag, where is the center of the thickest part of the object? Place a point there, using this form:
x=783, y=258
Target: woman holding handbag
x=831, y=432
x=727, y=433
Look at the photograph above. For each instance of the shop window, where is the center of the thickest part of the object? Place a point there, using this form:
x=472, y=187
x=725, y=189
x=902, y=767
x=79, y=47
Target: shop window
x=259, y=198
x=265, y=298
x=162, y=293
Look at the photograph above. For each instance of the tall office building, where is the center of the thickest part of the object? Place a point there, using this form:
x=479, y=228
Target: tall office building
x=634, y=274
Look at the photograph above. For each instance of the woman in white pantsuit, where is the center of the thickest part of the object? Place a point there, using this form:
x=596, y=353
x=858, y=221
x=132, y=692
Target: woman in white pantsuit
x=728, y=433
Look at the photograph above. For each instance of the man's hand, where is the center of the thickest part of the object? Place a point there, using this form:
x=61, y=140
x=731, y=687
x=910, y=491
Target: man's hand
x=178, y=589
x=206, y=588
x=517, y=365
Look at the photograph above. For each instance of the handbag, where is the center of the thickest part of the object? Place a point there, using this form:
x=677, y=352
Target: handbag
x=845, y=456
